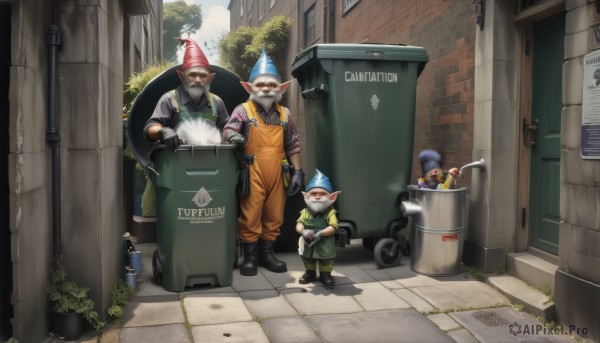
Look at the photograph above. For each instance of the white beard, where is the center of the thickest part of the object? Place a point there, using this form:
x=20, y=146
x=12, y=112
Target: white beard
x=199, y=132
x=319, y=206
x=195, y=91
x=266, y=101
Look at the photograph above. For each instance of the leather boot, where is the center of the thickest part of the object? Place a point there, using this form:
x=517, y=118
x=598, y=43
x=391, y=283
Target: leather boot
x=309, y=276
x=327, y=280
x=267, y=259
x=248, y=267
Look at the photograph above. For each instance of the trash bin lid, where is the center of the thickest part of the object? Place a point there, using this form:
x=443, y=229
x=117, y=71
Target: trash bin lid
x=226, y=85
x=381, y=52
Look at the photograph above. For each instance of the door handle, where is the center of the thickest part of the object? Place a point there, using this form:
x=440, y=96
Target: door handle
x=530, y=131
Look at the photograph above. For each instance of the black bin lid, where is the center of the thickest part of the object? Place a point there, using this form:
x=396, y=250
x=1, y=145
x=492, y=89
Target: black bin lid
x=226, y=85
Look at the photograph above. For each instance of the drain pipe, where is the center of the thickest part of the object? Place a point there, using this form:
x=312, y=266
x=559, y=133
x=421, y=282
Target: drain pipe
x=53, y=42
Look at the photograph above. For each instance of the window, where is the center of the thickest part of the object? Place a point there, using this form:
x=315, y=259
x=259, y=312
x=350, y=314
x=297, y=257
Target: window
x=348, y=4
x=309, y=25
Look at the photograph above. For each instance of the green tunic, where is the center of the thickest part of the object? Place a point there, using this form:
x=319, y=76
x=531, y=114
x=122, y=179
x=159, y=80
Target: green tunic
x=183, y=114
x=325, y=248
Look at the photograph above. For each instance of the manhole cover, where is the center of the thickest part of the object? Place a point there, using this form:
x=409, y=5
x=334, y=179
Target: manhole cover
x=489, y=318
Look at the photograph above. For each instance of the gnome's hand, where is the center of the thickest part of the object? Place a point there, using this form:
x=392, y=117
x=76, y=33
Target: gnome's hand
x=169, y=137
x=308, y=235
x=316, y=238
x=238, y=139
x=297, y=182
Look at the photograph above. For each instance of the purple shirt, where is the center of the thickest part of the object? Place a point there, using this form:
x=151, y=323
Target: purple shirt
x=238, y=123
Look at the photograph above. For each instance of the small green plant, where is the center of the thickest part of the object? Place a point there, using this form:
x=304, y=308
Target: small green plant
x=476, y=273
x=12, y=340
x=121, y=294
x=519, y=307
x=66, y=296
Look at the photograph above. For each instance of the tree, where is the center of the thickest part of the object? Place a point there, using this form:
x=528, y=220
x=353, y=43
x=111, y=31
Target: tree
x=178, y=18
x=241, y=49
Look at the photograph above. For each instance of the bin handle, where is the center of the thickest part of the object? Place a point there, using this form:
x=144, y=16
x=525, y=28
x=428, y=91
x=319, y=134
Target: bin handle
x=315, y=93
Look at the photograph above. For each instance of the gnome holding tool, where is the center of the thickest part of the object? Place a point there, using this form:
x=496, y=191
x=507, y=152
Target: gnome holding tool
x=317, y=224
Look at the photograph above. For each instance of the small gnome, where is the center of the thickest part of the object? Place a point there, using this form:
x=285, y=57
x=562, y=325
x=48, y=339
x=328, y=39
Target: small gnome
x=430, y=166
x=317, y=224
x=450, y=178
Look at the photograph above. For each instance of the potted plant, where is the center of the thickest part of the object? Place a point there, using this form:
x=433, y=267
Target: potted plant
x=70, y=305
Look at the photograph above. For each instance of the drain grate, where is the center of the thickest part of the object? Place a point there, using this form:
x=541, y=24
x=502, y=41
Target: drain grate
x=489, y=318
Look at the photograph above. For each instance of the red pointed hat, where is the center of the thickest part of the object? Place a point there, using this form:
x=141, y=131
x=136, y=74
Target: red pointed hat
x=193, y=57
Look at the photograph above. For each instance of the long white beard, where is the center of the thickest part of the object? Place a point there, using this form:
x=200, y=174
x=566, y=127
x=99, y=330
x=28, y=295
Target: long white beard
x=318, y=206
x=195, y=91
x=266, y=101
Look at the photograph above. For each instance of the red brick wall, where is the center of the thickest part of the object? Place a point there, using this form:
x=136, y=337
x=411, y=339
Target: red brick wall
x=446, y=29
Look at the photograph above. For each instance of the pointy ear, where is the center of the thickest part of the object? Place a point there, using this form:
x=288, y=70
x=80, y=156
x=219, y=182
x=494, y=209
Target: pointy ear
x=284, y=86
x=247, y=86
x=304, y=194
x=180, y=74
x=333, y=196
x=211, y=76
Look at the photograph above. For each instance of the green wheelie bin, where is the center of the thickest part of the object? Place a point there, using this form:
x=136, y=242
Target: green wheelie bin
x=195, y=215
x=359, y=107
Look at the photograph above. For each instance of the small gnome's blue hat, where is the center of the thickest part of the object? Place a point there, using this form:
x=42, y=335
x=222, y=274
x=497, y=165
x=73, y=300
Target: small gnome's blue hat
x=320, y=180
x=264, y=66
x=429, y=159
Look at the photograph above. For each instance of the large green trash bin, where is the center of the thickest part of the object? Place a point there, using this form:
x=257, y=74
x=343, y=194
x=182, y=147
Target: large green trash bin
x=196, y=215
x=359, y=107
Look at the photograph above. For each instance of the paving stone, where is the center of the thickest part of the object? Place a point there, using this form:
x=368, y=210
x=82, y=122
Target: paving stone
x=318, y=300
x=391, y=284
x=221, y=308
x=288, y=279
x=444, y=321
x=378, y=275
x=156, y=334
x=377, y=326
x=462, y=336
x=247, y=332
x=414, y=300
x=149, y=287
x=289, y=330
x=204, y=289
x=374, y=297
x=250, y=283
x=461, y=294
x=153, y=311
x=505, y=324
x=267, y=304
x=352, y=273
x=413, y=280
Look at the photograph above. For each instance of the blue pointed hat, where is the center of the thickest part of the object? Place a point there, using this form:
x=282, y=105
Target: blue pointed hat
x=320, y=180
x=264, y=66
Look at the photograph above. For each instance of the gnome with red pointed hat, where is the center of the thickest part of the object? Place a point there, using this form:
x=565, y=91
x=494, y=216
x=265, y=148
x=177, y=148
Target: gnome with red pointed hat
x=268, y=138
x=190, y=102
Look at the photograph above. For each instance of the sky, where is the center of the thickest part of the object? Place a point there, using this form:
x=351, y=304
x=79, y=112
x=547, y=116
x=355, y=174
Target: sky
x=215, y=22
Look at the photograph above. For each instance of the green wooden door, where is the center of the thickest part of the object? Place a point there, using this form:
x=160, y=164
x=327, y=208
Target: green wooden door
x=544, y=180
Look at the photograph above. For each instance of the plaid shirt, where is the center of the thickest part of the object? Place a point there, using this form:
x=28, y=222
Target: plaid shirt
x=238, y=123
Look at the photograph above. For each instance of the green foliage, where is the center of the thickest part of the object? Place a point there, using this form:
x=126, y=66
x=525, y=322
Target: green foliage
x=149, y=200
x=66, y=296
x=12, y=340
x=121, y=294
x=137, y=82
x=241, y=49
x=178, y=18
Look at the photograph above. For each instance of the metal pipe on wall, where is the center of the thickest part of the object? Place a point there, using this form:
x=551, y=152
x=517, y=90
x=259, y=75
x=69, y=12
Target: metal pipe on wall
x=53, y=42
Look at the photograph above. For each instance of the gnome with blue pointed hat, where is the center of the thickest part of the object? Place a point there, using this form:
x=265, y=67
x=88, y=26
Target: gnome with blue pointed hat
x=317, y=224
x=267, y=136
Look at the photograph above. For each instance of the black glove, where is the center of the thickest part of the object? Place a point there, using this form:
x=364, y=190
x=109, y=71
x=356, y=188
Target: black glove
x=297, y=182
x=307, y=235
x=238, y=139
x=169, y=137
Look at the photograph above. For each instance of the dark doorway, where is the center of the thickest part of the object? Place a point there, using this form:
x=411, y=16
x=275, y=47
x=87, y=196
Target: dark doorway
x=6, y=309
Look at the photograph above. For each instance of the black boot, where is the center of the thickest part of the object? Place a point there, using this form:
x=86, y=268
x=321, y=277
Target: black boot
x=326, y=279
x=309, y=276
x=267, y=259
x=250, y=258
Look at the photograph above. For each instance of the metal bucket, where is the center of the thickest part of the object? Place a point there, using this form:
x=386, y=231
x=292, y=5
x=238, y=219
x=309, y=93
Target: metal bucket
x=439, y=224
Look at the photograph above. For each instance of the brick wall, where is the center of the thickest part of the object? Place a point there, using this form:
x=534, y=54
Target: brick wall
x=446, y=29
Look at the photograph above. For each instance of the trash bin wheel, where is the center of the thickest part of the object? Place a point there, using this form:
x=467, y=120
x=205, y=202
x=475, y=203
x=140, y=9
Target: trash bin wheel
x=387, y=253
x=369, y=243
x=156, y=267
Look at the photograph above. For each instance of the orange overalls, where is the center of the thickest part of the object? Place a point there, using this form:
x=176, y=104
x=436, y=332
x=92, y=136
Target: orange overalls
x=262, y=210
